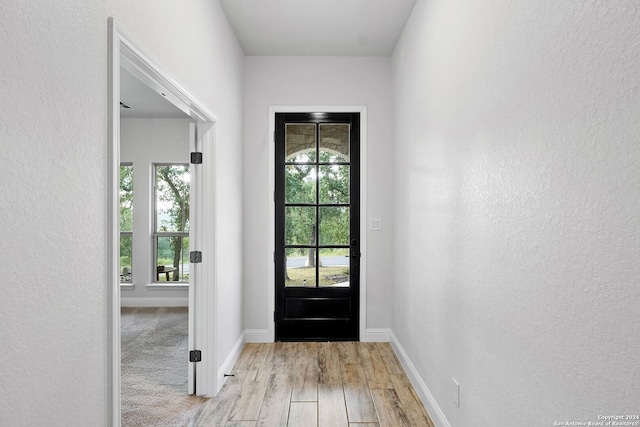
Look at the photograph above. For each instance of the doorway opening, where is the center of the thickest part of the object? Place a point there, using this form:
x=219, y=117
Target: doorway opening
x=126, y=54
x=155, y=142
x=317, y=226
x=365, y=334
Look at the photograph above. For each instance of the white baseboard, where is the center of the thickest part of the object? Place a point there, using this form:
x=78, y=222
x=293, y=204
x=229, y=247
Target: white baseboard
x=153, y=302
x=376, y=335
x=429, y=402
x=231, y=359
x=257, y=336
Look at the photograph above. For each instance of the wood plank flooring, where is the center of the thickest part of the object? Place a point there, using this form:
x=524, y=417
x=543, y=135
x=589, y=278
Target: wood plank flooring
x=316, y=384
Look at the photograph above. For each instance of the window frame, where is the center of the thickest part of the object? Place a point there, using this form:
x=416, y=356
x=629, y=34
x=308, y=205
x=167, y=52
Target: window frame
x=155, y=234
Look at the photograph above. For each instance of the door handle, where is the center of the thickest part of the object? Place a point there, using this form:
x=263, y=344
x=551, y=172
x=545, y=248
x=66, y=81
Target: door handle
x=355, y=253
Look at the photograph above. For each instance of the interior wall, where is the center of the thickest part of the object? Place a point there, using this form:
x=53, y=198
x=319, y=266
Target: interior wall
x=53, y=166
x=145, y=142
x=517, y=208
x=316, y=81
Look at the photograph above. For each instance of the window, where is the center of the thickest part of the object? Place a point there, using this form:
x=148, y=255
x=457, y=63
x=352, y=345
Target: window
x=126, y=221
x=171, y=229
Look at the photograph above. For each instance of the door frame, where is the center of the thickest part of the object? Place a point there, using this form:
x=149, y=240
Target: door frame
x=363, y=207
x=124, y=51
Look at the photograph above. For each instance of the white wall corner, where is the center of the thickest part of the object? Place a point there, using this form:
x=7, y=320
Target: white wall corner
x=429, y=402
x=153, y=302
x=230, y=360
x=376, y=335
x=257, y=336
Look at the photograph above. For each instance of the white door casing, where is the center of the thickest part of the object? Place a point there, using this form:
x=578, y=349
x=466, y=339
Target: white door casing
x=269, y=335
x=125, y=52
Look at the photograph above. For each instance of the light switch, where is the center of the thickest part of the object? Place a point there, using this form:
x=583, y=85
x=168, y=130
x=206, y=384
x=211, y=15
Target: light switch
x=375, y=224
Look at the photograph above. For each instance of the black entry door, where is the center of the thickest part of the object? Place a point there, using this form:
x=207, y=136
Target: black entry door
x=317, y=205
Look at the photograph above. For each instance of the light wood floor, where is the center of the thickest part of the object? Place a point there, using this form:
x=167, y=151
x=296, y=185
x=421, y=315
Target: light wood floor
x=328, y=384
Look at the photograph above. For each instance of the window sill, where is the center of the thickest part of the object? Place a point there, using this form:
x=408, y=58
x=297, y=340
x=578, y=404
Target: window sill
x=156, y=286
x=126, y=286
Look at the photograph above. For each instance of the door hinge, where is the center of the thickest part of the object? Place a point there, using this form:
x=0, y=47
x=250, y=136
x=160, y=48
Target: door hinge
x=274, y=315
x=195, y=356
x=195, y=256
x=196, y=158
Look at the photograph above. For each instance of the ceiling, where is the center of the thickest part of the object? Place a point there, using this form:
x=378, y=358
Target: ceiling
x=318, y=27
x=144, y=101
x=290, y=28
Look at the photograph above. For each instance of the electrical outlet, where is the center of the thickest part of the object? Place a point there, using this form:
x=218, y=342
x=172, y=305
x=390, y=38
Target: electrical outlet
x=456, y=392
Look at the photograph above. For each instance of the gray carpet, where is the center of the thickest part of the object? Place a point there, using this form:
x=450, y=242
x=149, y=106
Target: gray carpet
x=154, y=368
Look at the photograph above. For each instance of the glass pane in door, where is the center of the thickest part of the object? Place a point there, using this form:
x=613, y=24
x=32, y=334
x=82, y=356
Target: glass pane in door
x=334, y=225
x=334, y=184
x=300, y=142
x=300, y=225
x=334, y=267
x=334, y=142
x=301, y=267
x=300, y=184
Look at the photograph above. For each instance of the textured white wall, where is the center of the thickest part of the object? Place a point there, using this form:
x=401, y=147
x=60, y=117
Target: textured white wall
x=316, y=81
x=145, y=142
x=518, y=208
x=53, y=169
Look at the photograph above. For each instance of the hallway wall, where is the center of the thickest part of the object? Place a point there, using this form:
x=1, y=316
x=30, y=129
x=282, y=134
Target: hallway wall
x=316, y=81
x=517, y=210
x=53, y=169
